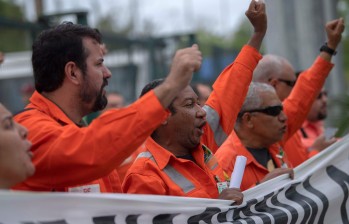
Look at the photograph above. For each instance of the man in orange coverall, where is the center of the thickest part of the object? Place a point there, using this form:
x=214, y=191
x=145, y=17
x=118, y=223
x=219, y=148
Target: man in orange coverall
x=279, y=73
x=312, y=131
x=69, y=79
x=177, y=160
x=296, y=107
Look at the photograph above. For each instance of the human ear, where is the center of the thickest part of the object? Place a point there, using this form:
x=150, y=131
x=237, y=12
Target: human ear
x=247, y=118
x=72, y=73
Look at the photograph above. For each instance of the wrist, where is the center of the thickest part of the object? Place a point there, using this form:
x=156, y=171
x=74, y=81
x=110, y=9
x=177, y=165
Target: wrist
x=328, y=49
x=331, y=45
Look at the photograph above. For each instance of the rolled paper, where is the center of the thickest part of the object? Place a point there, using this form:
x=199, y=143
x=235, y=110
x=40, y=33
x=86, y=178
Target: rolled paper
x=238, y=172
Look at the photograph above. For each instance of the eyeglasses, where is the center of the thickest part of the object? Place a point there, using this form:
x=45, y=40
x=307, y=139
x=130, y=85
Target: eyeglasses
x=288, y=82
x=322, y=94
x=271, y=111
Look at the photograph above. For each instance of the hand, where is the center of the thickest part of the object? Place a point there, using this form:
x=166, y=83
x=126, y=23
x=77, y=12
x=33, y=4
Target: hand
x=257, y=15
x=185, y=62
x=334, y=30
x=233, y=194
x=278, y=172
x=321, y=143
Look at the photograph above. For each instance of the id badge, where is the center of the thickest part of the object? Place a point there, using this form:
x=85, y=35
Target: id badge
x=221, y=186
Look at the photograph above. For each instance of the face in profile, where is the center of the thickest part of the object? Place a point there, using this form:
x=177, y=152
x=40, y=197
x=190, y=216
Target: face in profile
x=318, y=110
x=187, y=123
x=15, y=155
x=269, y=123
x=96, y=77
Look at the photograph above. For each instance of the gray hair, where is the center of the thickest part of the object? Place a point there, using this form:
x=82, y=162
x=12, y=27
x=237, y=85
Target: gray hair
x=270, y=66
x=253, y=98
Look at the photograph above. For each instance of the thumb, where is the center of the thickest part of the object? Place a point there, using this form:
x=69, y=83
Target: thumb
x=195, y=46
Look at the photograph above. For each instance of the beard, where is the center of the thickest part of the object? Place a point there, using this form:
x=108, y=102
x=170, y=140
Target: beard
x=100, y=100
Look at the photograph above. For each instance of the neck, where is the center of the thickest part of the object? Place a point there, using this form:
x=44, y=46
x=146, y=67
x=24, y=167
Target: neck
x=68, y=103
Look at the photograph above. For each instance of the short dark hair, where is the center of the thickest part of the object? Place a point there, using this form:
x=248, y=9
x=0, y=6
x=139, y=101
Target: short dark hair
x=152, y=85
x=54, y=48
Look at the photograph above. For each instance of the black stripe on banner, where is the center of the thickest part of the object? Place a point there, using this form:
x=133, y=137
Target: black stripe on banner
x=246, y=211
x=205, y=216
x=55, y=222
x=164, y=218
x=342, y=179
x=309, y=206
x=279, y=216
x=292, y=210
x=323, y=198
x=258, y=207
x=132, y=219
x=104, y=219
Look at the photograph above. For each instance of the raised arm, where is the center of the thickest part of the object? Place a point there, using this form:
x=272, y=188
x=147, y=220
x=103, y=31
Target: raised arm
x=334, y=30
x=257, y=15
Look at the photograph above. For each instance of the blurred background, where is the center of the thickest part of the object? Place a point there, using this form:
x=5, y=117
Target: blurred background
x=142, y=36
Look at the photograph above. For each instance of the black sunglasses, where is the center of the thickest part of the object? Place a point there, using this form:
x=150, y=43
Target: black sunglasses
x=288, y=82
x=271, y=111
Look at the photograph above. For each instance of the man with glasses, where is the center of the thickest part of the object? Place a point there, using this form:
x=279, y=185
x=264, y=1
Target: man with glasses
x=279, y=73
x=260, y=125
x=297, y=100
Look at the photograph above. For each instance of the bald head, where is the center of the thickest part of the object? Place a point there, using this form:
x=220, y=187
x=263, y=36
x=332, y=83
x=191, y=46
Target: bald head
x=270, y=66
x=276, y=71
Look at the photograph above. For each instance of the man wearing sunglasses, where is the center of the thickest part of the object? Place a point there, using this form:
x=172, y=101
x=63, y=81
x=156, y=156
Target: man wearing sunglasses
x=260, y=125
x=279, y=73
x=297, y=100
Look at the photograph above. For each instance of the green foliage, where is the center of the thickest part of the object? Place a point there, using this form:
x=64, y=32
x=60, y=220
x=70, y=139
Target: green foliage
x=208, y=40
x=12, y=39
x=10, y=10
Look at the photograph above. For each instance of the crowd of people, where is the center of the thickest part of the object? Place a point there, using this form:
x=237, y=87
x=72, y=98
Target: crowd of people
x=178, y=138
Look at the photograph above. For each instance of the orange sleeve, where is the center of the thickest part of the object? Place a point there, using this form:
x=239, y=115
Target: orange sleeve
x=308, y=86
x=69, y=155
x=229, y=92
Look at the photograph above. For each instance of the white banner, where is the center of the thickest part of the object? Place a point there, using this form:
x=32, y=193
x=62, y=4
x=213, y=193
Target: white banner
x=318, y=194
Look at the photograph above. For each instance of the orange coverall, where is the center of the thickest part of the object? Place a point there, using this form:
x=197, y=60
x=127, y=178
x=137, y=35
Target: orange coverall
x=158, y=171
x=70, y=158
x=296, y=150
x=313, y=130
x=296, y=107
x=229, y=91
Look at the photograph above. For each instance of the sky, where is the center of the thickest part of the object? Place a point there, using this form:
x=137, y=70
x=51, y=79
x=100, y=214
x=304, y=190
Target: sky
x=168, y=17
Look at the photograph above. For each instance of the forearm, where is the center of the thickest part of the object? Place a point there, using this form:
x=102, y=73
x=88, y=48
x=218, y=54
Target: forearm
x=166, y=93
x=256, y=40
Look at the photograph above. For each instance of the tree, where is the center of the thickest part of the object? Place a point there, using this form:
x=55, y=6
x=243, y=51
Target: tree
x=12, y=39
